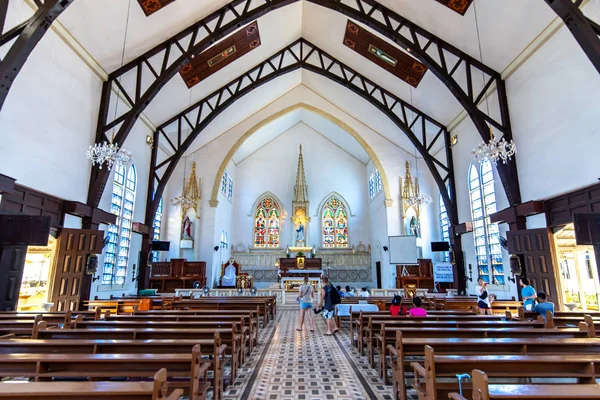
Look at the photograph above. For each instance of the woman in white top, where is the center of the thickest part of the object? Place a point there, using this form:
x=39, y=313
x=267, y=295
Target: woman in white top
x=305, y=296
x=483, y=298
x=364, y=293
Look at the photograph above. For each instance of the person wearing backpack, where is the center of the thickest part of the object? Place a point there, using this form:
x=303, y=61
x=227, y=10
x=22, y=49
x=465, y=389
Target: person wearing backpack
x=329, y=299
x=483, y=298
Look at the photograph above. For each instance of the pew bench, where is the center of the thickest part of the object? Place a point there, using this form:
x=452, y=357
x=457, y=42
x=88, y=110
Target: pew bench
x=406, y=350
x=482, y=390
x=44, y=367
x=212, y=348
x=430, y=376
x=387, y=329
x=229, y=337
x=266, y=306
x=156, y=390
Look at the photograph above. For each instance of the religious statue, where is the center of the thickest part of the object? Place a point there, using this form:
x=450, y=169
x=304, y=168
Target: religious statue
x=300, y=233
x=413, y=227
x=187, y=231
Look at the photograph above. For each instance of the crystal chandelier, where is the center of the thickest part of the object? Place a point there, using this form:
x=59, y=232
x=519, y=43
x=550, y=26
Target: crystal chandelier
x=494, y=150
x=411, y=193
x=108, y=153
x=190, y=194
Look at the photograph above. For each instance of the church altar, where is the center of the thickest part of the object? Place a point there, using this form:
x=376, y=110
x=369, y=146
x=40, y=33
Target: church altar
x=199, y=293
x=295, y=283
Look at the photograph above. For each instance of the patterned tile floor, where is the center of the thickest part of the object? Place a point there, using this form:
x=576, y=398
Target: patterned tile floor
x=305, y=365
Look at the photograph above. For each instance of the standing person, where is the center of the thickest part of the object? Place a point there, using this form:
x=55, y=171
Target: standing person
x=305, y=295
x=329, y=298
x=417, y=310
x=543, y=305
x=483, y=298
x=527, y=293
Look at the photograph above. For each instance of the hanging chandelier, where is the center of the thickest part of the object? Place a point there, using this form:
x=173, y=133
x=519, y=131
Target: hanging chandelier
x=495, y=150
x=411, y=193
x=190, y=194
x=108, y=153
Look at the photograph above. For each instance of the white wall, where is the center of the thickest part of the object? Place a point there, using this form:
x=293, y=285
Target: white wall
x=49, y=118
x=328, y=169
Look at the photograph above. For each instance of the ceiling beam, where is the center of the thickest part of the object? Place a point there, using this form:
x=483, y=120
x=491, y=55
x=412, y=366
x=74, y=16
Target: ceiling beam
x=27, y=35
x=585, y=31
x=183, y=129
x=444, y=60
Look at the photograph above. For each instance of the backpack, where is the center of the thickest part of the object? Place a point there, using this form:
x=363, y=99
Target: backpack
x=484, y=294
x=334, y=296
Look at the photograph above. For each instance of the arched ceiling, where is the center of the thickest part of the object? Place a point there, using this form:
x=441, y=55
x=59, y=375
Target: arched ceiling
x=506, y=26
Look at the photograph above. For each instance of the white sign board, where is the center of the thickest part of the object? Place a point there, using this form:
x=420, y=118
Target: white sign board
x=443, y=272
x=403, y=250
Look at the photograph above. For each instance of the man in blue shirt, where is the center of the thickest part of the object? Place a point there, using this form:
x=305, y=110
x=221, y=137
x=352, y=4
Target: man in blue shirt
x=527, y=293
x=543, y=305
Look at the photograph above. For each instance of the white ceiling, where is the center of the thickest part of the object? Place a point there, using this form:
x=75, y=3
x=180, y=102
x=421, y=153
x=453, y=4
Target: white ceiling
x=506, y=26
x=319, y=124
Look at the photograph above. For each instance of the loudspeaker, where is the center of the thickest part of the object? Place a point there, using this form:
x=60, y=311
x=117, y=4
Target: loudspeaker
x=158, y=245
x=440, y=246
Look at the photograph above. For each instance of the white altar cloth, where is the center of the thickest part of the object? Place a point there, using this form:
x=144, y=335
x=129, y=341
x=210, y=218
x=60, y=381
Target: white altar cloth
x=283, y=280
x=304, y=271
x=343, y=310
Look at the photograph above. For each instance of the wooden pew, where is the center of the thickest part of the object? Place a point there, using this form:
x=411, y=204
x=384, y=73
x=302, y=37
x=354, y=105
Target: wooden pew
x=266, y=305
x=208, y=347
x=156, y=390
x=237, y=324
x=229, y=337
x=427, y=376
x=250, y=317
x=40, y=367
x=119, y=306
x=482, y=390
x=409, y=348
x=370, y=338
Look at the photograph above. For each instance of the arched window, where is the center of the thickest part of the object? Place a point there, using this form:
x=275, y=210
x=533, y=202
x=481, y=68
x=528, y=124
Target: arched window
x=375, y=185
x=335, y=223
x=157, y=223
x=122, y=205
x=444, y=226
x=486, y=234
x=267, y=223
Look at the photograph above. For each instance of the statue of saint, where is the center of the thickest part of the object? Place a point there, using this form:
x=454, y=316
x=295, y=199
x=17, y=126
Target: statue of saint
x=187, y=230
x=300, y=233
x=414, y=227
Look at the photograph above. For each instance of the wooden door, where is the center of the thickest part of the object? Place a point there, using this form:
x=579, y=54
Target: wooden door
x=70, y=283
x=537, y=248
x=12, y=262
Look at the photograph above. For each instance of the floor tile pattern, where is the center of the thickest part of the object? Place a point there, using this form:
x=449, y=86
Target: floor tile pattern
x=305, y=365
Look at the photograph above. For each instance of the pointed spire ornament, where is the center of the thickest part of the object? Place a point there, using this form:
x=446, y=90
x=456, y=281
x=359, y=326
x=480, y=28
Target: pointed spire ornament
x=300, y=188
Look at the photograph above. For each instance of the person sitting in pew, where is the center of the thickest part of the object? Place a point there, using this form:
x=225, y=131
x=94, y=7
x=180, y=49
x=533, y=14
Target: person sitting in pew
x=396, y=307
x=543, y=305
x=339, y=289
x=417, y=310
x=349, y=292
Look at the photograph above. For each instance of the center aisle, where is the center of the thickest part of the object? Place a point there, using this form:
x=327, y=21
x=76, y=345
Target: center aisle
x=305, y=365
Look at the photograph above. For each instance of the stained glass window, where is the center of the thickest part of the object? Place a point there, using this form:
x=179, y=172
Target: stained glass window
x=335, y=223
x=267, y=223
x=230, y=188
x=444, y=226
x=224, y=180
x=375, y=184
x=157, y=223
x=119, y=235
x=486, y=234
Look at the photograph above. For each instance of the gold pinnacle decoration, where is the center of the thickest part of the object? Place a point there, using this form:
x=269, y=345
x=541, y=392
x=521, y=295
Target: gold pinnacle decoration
x=300, y=188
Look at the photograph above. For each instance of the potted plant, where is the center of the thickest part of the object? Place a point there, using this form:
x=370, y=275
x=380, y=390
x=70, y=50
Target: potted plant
x=299, y=254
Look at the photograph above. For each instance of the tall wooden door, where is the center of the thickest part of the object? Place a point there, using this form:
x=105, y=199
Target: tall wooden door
x=537, y=248
x=12, y=262
x=69, y=283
